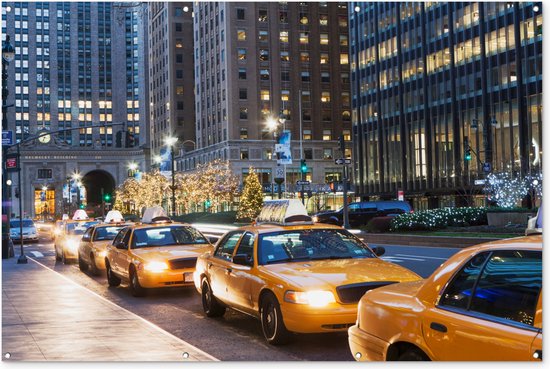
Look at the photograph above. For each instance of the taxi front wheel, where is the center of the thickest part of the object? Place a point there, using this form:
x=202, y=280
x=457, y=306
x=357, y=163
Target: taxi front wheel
x=81, y=264
x=271, y=318
x=413, y=355
x=210, y=305
x=112, y=279
x=135, y=288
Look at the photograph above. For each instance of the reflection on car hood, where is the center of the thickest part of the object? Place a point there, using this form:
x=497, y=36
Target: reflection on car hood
x=171, y=252
x=334, y=273
x=25, y=229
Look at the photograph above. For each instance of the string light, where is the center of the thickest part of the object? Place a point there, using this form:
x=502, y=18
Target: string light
x=252, y=197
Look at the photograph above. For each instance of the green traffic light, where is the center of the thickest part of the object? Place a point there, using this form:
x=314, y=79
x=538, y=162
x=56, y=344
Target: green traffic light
x=107, y=197
x=82, y=206
x=468, y=156
x=303, y=167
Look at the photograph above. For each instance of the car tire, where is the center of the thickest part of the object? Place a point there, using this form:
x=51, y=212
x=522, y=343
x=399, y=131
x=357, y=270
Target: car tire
x=271, y=319
x=112, y=279
x=81, y=264
x=412, y=354
x=93, y=266
x=57, y=257
x=64, y=258
x=211, y=306
x=135, y=288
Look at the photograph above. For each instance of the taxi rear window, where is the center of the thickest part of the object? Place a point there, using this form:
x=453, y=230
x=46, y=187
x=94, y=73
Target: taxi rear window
x=167, y=236
x=310, y=244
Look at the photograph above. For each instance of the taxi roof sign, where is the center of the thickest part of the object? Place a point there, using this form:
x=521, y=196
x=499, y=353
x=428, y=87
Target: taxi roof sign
x=80, y=214
x=154, y=214
x=113, y=216
x=283, y=212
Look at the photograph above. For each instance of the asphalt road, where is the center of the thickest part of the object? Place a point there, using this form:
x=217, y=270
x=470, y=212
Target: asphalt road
x=235, y=336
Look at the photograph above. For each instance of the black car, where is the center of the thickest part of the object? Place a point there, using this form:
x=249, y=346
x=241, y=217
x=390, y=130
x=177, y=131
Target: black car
x=360, y=213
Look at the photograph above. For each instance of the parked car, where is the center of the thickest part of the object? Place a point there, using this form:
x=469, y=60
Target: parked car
x=360, y=213
x=291, y=274
x=157, y=253
x=484, y=303
x=56, y=229
x=30, y=232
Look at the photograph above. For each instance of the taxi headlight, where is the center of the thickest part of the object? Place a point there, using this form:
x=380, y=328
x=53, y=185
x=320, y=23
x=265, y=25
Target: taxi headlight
x=315, y=219
x=57, y=232
x=72, y=245
x=311, y=298
x=155, y=266
x=102, y=254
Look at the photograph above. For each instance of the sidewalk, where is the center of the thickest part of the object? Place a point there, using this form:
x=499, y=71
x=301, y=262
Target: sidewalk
x=47, y=317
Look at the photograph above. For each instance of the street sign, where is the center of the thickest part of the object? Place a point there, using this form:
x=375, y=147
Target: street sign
x=12, y=162
x=487, y=167
x=302, y=183
x=7, y=138
x=342, y=161
x=279, y=172
x=400, y=195
x=478, y=182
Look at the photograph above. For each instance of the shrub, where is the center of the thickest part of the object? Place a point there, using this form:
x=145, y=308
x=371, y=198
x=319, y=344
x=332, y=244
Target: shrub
x=428, y=220
x=379, y=224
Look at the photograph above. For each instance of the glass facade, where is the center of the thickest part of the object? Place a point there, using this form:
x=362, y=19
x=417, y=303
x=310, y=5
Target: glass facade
x=432, y=79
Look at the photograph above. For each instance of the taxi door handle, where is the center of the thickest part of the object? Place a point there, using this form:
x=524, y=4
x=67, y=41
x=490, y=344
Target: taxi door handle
x=438, y=327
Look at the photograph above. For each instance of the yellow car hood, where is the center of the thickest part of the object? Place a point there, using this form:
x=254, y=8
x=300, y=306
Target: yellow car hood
x=170, y=252
x=334, y=273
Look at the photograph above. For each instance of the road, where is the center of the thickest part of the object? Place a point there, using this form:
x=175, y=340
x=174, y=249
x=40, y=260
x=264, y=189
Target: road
x=235, y=336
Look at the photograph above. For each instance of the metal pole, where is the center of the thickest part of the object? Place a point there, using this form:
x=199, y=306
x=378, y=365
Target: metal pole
x=22, y=258
x=345, y=216
x=173, y=181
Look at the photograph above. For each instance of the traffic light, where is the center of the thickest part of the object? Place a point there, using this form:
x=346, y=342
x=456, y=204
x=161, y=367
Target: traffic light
x=107, y=197
x=119, y=139
x=303, y=166
x=82, y=206
x=342, y=144
x=467, y=150
x=130, y=139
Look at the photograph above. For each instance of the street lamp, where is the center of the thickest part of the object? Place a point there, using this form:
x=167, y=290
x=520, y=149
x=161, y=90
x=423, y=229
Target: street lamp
x=8, y=54
x=76, y=180
x=277, y=126
x=171, y=143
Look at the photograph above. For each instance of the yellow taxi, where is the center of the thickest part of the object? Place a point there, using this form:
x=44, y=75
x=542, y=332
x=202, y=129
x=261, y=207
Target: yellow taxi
x=156, y=253
x=67, y=241
x=93, y=244
x=484, y=303
x=292, y=274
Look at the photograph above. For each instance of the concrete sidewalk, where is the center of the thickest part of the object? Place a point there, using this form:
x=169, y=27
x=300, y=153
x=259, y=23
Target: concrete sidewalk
x=48, y=317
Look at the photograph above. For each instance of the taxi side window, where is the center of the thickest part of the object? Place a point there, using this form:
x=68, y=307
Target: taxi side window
x=246, y=246
x=87, y=236
x=120, y=236
x=227, y=246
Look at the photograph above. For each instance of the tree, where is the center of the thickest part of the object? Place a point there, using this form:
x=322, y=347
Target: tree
x=252, y=197
x=505, y=189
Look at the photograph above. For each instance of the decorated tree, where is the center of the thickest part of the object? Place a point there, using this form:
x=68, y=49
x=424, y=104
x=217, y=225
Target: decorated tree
x=147, y=192
x=252, y=197
x=505, y=189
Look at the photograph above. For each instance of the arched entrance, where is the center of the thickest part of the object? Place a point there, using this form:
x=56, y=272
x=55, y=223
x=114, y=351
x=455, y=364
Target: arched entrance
x=97, y=183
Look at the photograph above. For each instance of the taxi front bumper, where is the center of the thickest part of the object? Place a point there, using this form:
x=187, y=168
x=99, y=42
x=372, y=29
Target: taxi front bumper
x=366, y=347
x=166, y=278
x=306, y=319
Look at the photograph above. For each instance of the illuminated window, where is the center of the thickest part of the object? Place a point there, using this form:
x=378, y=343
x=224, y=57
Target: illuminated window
x=283, y=36
x=244, y=133
x=241, y=35
x=285, y=94
x=323, y=58
x=306, y=134
x=285, y=56
x=343, y=40
x=262, y=36
x=324, y=38
x=325, y=96
x=327, y=154
x=323, y=20
x=241, y=54
x=264, y=55
x=303, y=18
x=304, y=56
x=304, y=38
x=262, y=15
x=327, y=135
x=264, y=95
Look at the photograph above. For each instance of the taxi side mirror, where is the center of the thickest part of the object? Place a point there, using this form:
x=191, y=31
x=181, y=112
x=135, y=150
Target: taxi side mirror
x=242, y=259
x=120, y=245
x=379, y=250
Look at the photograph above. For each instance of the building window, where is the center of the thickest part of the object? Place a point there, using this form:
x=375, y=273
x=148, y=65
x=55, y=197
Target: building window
x=308, y=154
x=325, y=77
x=306, y=114
x=304, y=38
x=285, y=76
x=304, y=19
x=44, y=173
x=324, y=38
x=323, y=58
x=323, y=20
x=326, y=116
x=240, y=14
x=264, y=95
x=346, y=116
x=179, y=73
x=284, y=56
x=179, y=27
x=241, y=54
x=243, y=113
x=344, y=59
x=244, y=154
x=241, y=35
x=347, y=134
x=283, y=36
x=305, y=77
x=327, y=154
x=244, y=134
x=179, y=90
x=264, y=74
x=306, y=134
x=267, y=154
x=343, y=40
x=327, y=135
x=242, y=73
x=304, y=57
x=179, y=58
x=325, y=97
x=179, y=43
x=262, y=15
x=263, y=36
x=243, y=94
x=264, y=55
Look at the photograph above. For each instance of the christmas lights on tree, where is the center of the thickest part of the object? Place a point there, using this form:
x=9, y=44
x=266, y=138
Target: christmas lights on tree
x=505, y=189
x=252, y=197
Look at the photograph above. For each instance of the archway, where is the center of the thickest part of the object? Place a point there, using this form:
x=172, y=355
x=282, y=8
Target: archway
x=97, y=183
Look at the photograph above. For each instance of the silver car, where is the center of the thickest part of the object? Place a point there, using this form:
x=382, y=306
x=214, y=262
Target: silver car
x=29, y=230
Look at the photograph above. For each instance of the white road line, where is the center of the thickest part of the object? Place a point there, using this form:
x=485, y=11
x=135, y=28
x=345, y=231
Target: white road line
x=37, y=254
x=389, y=258
x=422, y=256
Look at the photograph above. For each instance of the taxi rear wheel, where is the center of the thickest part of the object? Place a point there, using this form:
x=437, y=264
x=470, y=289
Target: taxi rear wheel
x=210, y=305
x=57, y=257
x=135, y=288
x=112, y=279
x=412, y=354
x=271, y=318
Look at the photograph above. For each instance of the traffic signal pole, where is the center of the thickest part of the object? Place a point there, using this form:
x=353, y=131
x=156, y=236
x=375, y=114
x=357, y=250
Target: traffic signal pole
x=345, y=221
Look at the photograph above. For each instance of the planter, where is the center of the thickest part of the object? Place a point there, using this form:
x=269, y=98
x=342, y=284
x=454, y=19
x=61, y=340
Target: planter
x=504, y=218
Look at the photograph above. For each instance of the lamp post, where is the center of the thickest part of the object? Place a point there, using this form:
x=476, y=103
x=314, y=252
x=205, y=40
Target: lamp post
x=76, y=180
x=171, y=142
x=8, y=54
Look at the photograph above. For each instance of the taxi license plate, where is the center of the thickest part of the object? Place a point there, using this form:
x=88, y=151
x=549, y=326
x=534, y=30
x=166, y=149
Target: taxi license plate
x=188, y=277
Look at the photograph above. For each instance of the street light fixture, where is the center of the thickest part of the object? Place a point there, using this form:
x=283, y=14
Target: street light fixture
x=171, y=141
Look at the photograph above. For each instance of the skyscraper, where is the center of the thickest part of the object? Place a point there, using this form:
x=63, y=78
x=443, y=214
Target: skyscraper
x=433, y=81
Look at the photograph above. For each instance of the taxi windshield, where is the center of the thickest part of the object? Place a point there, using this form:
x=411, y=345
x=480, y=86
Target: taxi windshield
x=17, y=223
x=78, y=228
x=310, y=244
x=167, y=236
x=107, y=233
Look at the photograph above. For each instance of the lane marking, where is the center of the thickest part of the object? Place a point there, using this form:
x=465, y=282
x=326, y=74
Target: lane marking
x=393, y=260
x=129, y=312
x=37, y=254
